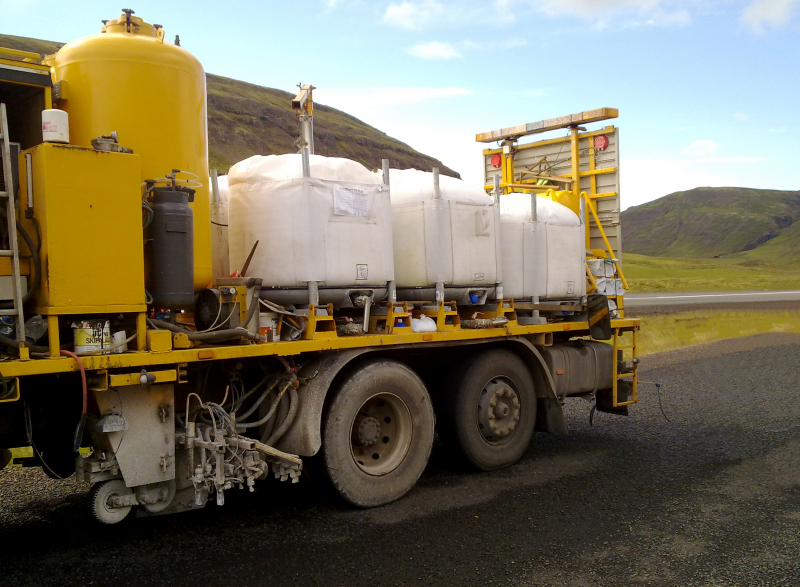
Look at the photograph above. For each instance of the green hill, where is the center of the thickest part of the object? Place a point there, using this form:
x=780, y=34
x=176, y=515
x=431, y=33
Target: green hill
x=245, y=119
x=707, y=222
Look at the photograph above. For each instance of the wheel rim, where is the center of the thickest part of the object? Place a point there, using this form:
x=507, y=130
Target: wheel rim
x=380, y=434
x=498, y=410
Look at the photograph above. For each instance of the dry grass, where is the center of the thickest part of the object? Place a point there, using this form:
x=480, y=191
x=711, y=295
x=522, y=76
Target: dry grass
x=674, y=331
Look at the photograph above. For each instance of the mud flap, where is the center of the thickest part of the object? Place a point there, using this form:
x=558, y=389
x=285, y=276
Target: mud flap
x=605, y=398
x=599, y=317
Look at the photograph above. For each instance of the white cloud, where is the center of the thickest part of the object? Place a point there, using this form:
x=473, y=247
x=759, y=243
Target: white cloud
x=637, y=13
x=762, y=13
x=701, y=149
x=434, y=50
x=413, y=15
x=740, y=117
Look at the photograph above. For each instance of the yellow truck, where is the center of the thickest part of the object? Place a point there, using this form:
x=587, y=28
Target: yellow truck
x=130, y=359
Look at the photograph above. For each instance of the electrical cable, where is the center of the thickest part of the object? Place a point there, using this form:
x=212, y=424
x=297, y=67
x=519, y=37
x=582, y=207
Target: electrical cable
x=82, y=421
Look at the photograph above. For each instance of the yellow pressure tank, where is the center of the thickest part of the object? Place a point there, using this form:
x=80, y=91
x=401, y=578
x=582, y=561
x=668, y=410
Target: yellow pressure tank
x=565, y=198
x=153, y=94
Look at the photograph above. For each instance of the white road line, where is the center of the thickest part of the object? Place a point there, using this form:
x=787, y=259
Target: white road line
x=723, y=295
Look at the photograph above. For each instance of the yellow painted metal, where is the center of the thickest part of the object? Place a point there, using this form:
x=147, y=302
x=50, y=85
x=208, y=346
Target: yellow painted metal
x=153, y=94
x=53, y=337
x=565, y=198
x=537, y=144
x=121, y=379
x=16, y=368
x=590, y=205
x=159, y=341
x=547, y=125
x=617, y=376
x=141, y=331
x=28, y=55
x=87, y=203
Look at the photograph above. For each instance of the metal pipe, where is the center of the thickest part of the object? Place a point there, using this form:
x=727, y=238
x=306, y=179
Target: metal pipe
x=313, y=293
x=29, y=175
x=304, y=154
x=214, y=187
x=437, y=195
x=534, y=208
x=385, y=167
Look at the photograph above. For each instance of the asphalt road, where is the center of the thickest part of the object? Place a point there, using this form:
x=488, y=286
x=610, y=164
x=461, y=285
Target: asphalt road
x=711, y=497
x=639, y=300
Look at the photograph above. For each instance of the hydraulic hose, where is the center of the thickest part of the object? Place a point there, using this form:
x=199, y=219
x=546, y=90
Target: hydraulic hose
x=218, y=335
x=265, y=419
x=287, y=421
x=34, y=348
x=82, y=421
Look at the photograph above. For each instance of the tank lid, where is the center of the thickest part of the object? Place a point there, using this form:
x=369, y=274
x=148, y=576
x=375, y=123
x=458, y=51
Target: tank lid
x=129, y=24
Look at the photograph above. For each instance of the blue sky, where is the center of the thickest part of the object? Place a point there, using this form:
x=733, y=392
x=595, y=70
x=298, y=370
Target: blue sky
x=707, y=90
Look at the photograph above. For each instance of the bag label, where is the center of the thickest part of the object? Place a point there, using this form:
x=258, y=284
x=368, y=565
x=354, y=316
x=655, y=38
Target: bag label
x=350, y=201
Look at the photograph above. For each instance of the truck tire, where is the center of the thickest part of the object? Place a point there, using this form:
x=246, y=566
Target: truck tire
x=378, y=434
x=490, y=410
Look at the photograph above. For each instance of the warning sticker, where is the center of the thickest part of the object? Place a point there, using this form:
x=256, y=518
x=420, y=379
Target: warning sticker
x=350, y=201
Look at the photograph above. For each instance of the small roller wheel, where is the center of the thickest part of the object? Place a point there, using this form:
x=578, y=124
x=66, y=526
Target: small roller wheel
x=104, y=499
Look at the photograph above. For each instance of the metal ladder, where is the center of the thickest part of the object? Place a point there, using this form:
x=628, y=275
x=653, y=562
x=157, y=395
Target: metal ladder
x=11, y=217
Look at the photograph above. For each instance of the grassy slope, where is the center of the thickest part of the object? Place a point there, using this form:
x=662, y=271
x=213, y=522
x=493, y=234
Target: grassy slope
x=732, y=273
x=704, y=222
x=245, y=119
x=674, y=331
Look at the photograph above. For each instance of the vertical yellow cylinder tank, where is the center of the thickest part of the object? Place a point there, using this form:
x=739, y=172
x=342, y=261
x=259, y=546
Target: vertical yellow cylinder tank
x=153, y=94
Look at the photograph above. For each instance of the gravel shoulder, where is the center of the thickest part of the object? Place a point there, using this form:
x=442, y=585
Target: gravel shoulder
x=710, y=497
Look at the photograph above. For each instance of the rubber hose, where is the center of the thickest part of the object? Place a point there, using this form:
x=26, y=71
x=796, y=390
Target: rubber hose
x=34, y=348
x=33, y=285
x=257, y=403
x=265, y=419
x=219, y=335
x=287, y=421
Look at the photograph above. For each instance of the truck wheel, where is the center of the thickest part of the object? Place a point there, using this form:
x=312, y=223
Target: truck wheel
x=491, y=410
x=378, y=434
x=102, y=500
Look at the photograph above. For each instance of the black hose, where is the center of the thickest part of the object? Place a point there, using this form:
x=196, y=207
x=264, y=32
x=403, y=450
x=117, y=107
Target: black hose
x=33, y=285
x=219, y=335
x=10, y=342
x=287, y=421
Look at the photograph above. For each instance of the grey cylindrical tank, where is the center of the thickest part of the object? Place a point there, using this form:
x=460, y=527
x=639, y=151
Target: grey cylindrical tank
x=170, y=248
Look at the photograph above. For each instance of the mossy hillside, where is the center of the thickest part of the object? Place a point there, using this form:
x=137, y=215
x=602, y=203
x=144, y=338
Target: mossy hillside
x=705, y=222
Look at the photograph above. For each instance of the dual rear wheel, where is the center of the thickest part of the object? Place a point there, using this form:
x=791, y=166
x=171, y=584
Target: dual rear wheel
x=378, y=433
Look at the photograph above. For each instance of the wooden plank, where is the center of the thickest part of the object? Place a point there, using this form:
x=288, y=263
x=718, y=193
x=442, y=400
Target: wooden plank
x=546, y=125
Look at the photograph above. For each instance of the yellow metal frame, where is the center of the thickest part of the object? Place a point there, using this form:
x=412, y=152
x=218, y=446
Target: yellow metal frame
x=508, y=183
x=618, y=376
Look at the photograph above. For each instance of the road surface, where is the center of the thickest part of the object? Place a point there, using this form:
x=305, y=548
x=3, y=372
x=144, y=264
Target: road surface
x=709, y=498
x=647, y=300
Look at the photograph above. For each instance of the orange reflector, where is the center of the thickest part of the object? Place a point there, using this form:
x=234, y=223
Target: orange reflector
x=567, y=326
x=560, y=372
x=427, y=337
x=207, y=354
